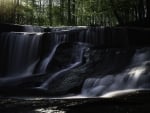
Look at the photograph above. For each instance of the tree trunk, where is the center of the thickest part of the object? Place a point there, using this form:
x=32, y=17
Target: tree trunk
x=62, y=12
x=69, y=12
x=73, y=12
x=141, y=10
x=118, y=17
x=17, y=14
x=50, y=13
x=148, y=9
x=33, y=6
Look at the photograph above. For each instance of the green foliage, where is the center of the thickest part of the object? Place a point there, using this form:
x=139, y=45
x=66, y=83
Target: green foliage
x=75, y=12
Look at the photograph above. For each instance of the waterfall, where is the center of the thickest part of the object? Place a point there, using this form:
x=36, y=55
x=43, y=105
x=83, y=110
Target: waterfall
x=55, y=41
x=95, y=60
x=136, y=76
x=77, y=56
x=19, y=53
x=30, y=28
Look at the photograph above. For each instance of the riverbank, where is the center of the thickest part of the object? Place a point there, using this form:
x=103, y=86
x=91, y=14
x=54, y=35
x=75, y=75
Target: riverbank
x=130, y=103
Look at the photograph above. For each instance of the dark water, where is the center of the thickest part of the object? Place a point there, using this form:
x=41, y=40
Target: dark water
x=90, y=61
x=135, y=76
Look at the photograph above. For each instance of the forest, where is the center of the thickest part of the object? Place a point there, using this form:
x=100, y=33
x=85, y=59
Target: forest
x=74, y=12
x=74, y=56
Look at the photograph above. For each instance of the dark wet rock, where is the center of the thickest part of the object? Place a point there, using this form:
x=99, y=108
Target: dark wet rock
x=139, y=37
x=47, y=29
x=137, y=102
x=19, y=28
x=106, y=51
x=95, y=63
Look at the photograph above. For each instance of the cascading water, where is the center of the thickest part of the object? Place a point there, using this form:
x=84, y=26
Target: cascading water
x=77, y=60
x=19, y=53
x=29, y=28
x=56, y=40
x=96, y=60
x=136, y=76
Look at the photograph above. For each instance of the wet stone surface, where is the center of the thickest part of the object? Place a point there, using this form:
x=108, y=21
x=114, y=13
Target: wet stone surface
x=137, y=102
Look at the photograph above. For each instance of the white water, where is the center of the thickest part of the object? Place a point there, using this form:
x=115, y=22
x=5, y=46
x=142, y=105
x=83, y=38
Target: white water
x=136, y=76
x=47, y=60
x=15, y=79
x=57, y=40
x=60, y=73
x=122, y=93
x=29, y=28
x=20, y=52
